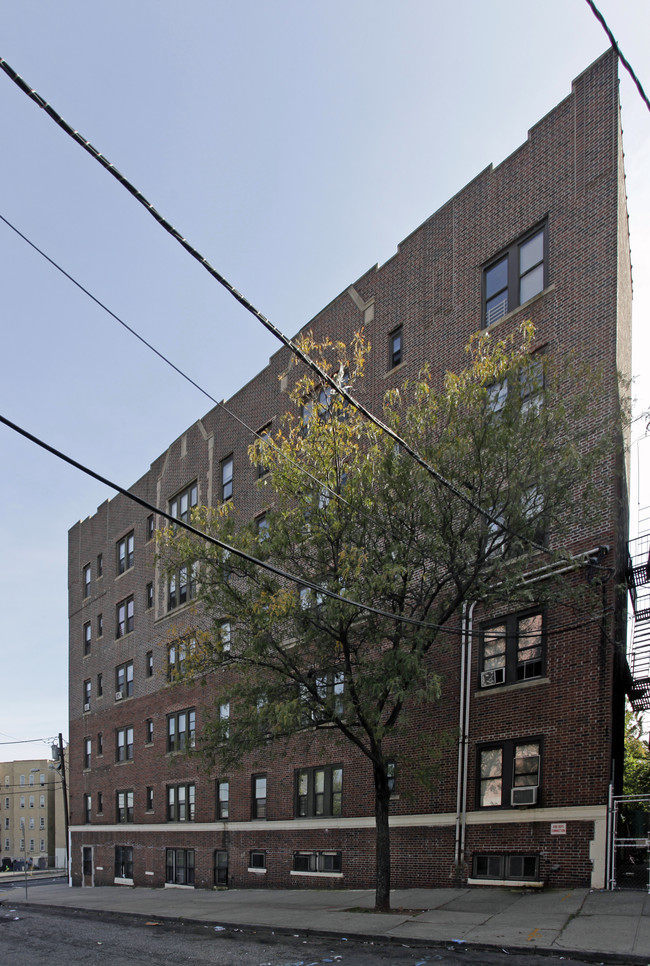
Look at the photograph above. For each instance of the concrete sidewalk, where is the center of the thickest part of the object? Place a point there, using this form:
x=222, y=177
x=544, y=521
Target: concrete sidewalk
x=612, y=926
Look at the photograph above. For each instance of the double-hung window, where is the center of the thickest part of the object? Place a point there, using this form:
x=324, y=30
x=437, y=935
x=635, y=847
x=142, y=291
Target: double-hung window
x=512, y=649
x=124, y=617
x=87, y=577
x=182, y=586
x=124, y=681
x=509, y=773
x=123, y=861
x=181, y=730
x=124, y=744
x=259, y=796
x=319, y=791
x=88, y=635
x=395, y=347
x=515, y=276
x=226, y=479
x=181, y=801
x=181, y=505
x=125, y=552
x=223, y=800
x=177, y=656
x=88, y=745
x=124, y=806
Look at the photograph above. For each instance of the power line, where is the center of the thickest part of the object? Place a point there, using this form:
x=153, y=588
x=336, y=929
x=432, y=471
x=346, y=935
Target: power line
x=177, y=369
x=626, y=64
x=490, y=517
x=263, y=564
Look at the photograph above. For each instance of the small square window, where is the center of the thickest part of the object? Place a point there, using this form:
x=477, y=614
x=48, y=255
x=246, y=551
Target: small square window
x=257, y=860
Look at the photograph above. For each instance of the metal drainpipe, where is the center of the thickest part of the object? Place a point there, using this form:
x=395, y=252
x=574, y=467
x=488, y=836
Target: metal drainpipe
x=467, y=685
x=461, y=785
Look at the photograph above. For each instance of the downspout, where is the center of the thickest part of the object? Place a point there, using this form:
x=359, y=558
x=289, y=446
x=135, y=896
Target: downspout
x=468, y=689
x=463, y=730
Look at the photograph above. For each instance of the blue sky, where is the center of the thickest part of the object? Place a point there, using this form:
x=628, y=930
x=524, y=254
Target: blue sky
x=295, y=144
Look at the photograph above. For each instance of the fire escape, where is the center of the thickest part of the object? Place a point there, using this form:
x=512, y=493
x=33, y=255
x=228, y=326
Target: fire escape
x=638, y=582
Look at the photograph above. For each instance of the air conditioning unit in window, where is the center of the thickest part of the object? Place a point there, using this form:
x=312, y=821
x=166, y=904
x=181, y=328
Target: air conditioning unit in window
x=87, y=706
x=526, y=795
x=496, y=676
x=119, y=695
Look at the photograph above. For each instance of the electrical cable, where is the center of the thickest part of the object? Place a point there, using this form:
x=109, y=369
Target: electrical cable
x=235, y=551
x=490, y=517
x=626, y=64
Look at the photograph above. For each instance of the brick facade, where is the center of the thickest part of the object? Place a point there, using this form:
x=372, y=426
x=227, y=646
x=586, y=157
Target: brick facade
x=567, y=178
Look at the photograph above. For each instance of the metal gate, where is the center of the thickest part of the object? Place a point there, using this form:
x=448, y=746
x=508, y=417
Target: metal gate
x=629, y=841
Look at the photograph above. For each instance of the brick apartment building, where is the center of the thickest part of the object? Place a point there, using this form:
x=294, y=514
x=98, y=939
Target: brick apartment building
x=33, y=829
x=140, y=813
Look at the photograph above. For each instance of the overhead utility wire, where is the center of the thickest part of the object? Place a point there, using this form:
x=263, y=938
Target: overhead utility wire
x=273, y=329
x=626, y=64
x=235, y=551
x=167, y=360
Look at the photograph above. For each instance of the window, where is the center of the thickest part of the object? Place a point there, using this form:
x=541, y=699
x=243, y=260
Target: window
x=124, y=624
x=177, y=657
x=6, y=803
x=87, y=693
x=257, y=860
x=149, y=731
x=41, y=823
x=124, y=807
x=181, y=730
x=123, y=861
x=395, y=351
x=124, y=744
x=22, y=779
x=100, y=625
x=319, y=791
x=182, y=586
x=149, y=596
x=100, y=685
x=259, y=796
x=264, y=434
x=100, y=743
x=149, y=664
x=87, y=575
x=224, y=717
x=506, y=867
x=88, y=809
x=100, y=565
x=223, y=800
x=226, y=479
x=6, y=823
x=149, y=799
x=124, y=681
x=125, y=548
x=31, y=845
x=390, y=774
x=181, y=505
x=317, y=862
x=179, y=866
x=180, y=803
x=509, y=774
x=31, y=779
x=42, y=778
x=87, y=638
x=515, y=276
x=22, y=801
x=42, y=845
x=42, y=801
x=330, y=687
x=220, y=868
x=512, y=649
x=87, y=754
x=31, y=802
x=262, y=524
x=225, y=633
x=31, y=821
x=150, y=527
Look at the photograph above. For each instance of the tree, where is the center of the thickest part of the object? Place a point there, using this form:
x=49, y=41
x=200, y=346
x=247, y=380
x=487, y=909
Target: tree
x=356, y=519
x=636, y=760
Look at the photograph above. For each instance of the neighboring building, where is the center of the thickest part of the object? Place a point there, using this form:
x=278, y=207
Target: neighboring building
x=32, y=801
x=542, y=236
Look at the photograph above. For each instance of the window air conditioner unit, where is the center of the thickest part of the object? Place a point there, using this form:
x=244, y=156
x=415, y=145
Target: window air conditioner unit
x=526, y=795
x=87, y=706
x=119, y=695
x=496, y=676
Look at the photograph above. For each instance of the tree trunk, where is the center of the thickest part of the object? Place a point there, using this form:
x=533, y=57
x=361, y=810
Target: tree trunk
x=382, y=841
